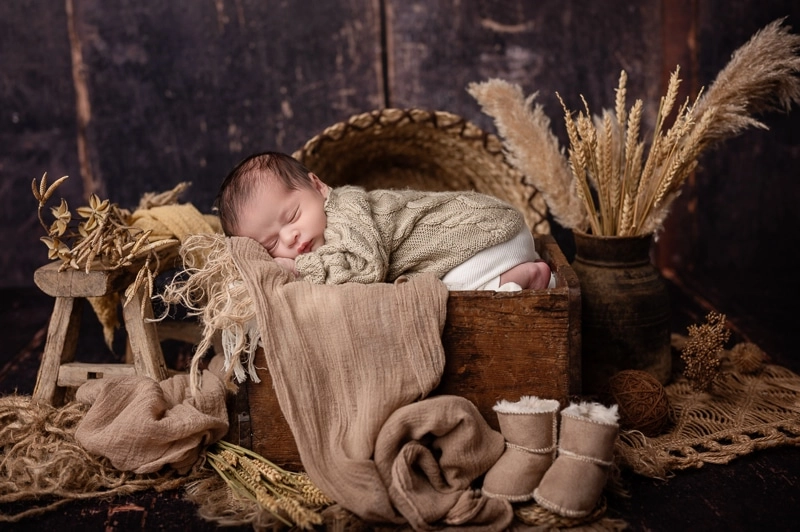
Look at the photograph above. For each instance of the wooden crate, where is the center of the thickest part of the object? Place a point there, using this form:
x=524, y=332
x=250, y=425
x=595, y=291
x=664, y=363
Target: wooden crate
x=498, y=345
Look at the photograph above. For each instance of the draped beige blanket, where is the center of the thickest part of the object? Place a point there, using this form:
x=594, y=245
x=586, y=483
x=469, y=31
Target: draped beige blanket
x=142, y=425
x=352, y=366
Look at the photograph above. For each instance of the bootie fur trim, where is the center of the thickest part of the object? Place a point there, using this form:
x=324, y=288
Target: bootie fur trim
x=527, y=404
x=605, y=415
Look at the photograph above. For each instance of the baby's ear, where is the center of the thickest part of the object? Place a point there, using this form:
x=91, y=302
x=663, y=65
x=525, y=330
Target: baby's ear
x=318, y=184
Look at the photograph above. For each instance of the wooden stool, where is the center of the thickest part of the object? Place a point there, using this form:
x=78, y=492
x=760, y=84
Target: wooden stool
x=58, y=369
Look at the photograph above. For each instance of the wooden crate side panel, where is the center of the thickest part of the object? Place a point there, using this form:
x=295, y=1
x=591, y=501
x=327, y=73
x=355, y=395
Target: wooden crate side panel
x=497, y=346
x=269, y=433
x=504, y=346
x=567, y=279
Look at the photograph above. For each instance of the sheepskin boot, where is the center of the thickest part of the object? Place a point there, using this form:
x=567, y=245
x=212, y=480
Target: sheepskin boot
x=529, y=428
x=573, y=484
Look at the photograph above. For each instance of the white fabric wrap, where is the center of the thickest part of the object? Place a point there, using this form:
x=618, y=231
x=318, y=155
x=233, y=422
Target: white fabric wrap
x=482, y=271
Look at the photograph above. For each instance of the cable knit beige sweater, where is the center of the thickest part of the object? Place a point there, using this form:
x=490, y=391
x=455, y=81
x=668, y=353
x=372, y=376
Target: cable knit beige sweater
x=379, y=235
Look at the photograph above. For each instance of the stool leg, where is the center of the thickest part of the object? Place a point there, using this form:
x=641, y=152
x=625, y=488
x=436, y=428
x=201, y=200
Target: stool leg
x=62, y=340
x=148, y=358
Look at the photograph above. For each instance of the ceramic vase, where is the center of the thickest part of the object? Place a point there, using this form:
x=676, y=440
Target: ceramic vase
x=625, y=309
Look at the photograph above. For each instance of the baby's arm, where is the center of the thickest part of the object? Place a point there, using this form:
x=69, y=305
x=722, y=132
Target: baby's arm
x=354, y=250
x=337, y=264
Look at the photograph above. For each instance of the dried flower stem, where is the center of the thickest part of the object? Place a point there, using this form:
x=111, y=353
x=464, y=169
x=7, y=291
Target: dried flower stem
x=701, y=353
x=103, y=239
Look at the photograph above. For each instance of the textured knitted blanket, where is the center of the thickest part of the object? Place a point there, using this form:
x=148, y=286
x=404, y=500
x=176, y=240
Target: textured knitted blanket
x=352, y=366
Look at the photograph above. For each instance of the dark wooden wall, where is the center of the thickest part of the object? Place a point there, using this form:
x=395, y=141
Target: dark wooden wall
x=129, y=97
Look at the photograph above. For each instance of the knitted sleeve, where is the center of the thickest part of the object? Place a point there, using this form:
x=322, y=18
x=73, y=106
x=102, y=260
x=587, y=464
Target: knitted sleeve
x=354, y=250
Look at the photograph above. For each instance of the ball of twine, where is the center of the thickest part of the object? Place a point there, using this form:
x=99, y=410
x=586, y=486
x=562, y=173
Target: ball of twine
x=642, y=401
x=747, y=357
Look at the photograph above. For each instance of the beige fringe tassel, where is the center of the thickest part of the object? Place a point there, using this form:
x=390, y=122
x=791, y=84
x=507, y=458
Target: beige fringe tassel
x=213, y=290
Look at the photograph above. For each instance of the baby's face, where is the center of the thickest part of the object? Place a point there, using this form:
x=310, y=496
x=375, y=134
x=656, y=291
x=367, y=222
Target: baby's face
x=286, y=222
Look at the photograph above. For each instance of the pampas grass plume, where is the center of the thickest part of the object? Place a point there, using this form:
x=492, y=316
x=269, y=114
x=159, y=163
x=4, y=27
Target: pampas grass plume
x=532, y=147
x=606, y=184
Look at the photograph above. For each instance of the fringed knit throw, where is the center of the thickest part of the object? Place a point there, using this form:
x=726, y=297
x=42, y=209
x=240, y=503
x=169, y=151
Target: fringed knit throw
x=351, y=366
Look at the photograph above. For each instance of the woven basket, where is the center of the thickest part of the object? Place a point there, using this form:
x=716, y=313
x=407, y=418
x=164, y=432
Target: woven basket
x=422, y=150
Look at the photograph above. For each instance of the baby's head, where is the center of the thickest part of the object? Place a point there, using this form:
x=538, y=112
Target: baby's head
x=275, y=200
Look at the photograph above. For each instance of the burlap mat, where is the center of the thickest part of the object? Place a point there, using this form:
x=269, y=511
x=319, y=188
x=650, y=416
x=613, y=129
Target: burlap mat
x=744, y=412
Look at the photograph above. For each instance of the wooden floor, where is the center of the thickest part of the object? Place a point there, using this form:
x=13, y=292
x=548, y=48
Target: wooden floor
x=760, y=491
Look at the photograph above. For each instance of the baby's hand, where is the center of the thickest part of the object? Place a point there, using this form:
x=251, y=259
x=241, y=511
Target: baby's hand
x=286, y=264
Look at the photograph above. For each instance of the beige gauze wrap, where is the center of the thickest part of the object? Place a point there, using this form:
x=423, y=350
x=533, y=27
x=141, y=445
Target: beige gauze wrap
x=142, y=425
x=352, y=366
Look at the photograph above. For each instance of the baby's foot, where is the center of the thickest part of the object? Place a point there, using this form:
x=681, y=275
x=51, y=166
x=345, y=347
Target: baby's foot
x=540, y=277
x=529, y=275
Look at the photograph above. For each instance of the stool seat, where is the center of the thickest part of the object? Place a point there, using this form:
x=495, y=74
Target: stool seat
x=58, y=369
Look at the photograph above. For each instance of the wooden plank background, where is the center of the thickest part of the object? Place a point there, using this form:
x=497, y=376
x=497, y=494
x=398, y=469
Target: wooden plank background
x=132, y=97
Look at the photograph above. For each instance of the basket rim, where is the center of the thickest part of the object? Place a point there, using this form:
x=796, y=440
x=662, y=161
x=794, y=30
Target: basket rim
x=478, y=144
x=391, y=117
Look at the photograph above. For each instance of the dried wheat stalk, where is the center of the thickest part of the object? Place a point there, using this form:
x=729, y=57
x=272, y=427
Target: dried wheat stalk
x=532, y=147
x=291, y=497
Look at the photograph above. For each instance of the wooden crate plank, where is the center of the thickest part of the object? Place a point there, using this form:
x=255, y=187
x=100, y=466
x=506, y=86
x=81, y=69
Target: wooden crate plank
x=271, y=435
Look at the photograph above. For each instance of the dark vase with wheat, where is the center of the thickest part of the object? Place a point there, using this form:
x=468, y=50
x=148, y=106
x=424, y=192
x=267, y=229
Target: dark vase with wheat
x=625, y=316
x=617, y=183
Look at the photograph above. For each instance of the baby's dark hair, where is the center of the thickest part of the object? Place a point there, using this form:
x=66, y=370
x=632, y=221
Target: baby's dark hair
x=241, y=182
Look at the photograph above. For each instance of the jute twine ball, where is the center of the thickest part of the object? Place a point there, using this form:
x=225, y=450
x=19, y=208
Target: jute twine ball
x=747, y=357
x=642, y=401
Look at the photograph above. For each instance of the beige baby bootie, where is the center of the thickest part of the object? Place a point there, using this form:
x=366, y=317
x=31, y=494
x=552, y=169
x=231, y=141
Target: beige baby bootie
x=573, y=484
x=529, y=427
